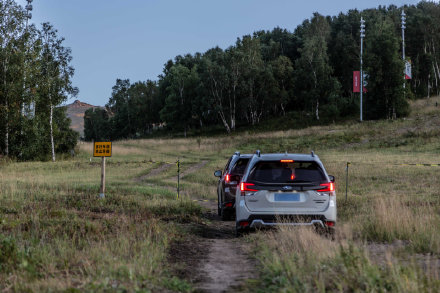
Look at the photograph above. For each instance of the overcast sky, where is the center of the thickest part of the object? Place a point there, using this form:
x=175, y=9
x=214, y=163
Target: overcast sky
x=133, y=39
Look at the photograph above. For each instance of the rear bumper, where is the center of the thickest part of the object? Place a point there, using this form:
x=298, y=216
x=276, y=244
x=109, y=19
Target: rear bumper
x=257, y=221
x=261, y=223
x=288, y=219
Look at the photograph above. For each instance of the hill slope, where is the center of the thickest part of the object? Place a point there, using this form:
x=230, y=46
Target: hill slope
x=75, y=112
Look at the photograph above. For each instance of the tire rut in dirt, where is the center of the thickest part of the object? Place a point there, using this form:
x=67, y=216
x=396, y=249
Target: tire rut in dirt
x=154, y=172
x=212, y=258
x=190, y=170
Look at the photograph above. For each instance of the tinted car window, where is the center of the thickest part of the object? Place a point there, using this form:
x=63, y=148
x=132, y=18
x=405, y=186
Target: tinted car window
x=227, y=165
x=278, y=172
x=239, y=167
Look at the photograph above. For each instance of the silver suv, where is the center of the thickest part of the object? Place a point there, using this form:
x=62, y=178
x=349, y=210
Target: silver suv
x=285, y=189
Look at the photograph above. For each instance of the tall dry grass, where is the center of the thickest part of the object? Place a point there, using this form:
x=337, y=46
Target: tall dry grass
x=393, y=219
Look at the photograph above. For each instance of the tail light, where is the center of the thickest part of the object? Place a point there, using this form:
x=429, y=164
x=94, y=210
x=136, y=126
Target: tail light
x=227, y=178
x=328, y=187
x=244, y=186
x=329, y=224
x=244, y=224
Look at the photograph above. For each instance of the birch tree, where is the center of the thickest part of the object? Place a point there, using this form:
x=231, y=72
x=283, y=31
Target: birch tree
x=12, y=18
x=313, y=72
x=56, y=73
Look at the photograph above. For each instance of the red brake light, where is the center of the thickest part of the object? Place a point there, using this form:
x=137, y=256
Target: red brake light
x=329, y=224
x=227, y=178
x=287, y=161
x=245, y=187
x=329, y=187
x=244, y=223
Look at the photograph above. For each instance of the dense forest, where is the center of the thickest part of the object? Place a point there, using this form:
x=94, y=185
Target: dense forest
x=306, y=74
x=35, y=78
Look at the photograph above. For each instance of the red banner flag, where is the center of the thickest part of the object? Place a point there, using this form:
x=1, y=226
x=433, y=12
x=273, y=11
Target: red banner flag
x=356, y=81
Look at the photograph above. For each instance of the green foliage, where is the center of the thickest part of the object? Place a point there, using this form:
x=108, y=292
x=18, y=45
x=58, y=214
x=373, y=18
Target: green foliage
x=385, y=98
x=314, y=79
x=9, y=255
x=96, y=125
x=35, y=79
x=177, y=111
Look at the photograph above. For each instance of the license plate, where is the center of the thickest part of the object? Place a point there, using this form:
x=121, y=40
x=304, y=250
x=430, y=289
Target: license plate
x=287, y=197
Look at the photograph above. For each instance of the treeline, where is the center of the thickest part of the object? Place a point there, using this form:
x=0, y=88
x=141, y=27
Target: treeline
x=35, y=78
x=307, y=73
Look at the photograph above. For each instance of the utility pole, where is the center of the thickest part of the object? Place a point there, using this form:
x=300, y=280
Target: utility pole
x=403, y=43
x=362, y=73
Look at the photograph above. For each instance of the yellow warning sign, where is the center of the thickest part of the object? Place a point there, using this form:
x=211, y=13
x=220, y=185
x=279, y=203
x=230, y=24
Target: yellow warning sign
x=102, y=149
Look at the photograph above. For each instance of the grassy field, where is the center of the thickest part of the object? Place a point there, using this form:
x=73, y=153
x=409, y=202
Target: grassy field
x=58, y=235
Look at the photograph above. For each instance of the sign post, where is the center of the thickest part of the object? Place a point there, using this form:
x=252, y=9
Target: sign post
x=103, y=150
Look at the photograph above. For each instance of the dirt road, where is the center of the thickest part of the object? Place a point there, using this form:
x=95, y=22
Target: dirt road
x=210, y=257
x=213, y=259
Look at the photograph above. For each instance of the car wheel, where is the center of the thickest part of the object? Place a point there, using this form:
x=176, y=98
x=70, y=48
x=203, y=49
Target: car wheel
x=238, y=231
x=224, y=214
x=330, y=233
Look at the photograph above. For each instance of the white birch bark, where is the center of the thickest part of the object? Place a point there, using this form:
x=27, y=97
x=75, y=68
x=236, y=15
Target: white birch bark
x=7, y=110
x=51, y=132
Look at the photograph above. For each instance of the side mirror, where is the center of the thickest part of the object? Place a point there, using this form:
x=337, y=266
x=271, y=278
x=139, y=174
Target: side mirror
x=218, y=173
x=332, y=178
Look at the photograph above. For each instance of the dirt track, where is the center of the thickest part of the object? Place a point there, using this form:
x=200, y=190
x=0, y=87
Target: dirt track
x=213, y=259
x=210, y=257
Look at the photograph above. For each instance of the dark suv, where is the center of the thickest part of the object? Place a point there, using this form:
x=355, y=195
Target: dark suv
x=228, y=183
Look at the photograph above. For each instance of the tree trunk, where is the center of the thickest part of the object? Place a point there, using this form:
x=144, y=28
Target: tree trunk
x=51, y=132
x=7, y=130
x=438, y=74
x=429, y=86
x=225, y=123
x=7, y=110
x=317, y=110
x=234, y=89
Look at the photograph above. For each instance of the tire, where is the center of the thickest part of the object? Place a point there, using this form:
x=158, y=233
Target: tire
x=224, y=214
x=330, y=233
x=238, y=231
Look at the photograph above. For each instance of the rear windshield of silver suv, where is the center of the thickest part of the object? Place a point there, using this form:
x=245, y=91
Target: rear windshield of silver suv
x=286, y=171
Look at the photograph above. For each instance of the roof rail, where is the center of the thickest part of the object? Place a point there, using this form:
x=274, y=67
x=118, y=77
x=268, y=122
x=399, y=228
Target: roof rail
x=258, y=153
x=237, y=153
x=313, y=154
